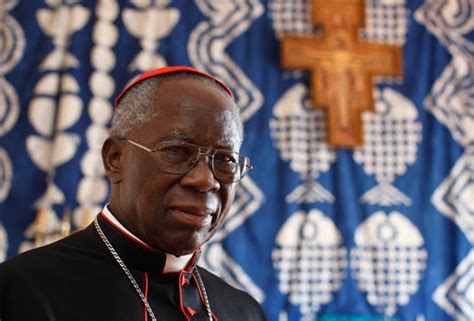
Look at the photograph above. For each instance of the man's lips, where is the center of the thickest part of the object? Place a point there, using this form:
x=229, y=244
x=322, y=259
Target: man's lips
x=193, y=216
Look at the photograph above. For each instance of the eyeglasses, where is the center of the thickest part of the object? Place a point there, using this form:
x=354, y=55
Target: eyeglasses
x=179, y=158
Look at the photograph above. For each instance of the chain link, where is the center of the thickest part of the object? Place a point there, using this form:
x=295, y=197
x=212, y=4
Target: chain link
x=135, y=284
x=204, y=293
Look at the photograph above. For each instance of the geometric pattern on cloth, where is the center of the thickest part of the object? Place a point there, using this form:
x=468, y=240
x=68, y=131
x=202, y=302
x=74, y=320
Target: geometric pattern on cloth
x=310, y=260
x=6, y=174
x=12, y=49
x=221, y=263
x=13, y=40
x=291, y=17
x=450, y=21
x=3, y=243
x=150, y=22
x=10, y=104
x=388, y=260
x=451, y=101
x=225, y=22
x=248, y=199
x=456, y=294
x=386, y=21
x=452, y=98
x=391, y=138
x=92, y=189
x=53, y=109
x=454, y=197
x=299, y=132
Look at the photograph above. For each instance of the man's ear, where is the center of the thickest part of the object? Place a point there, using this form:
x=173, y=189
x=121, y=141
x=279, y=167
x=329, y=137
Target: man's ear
x=112, y=159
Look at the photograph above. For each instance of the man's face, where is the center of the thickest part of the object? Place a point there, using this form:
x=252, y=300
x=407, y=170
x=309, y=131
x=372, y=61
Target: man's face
x=177, y=213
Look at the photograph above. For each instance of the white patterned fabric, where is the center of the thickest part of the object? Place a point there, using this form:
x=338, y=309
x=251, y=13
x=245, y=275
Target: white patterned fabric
x=310, y=260
x=386, y=21
x=451, y=101
x=300, y=134
x=291, y=16
x=391, y=137
x=388, y=260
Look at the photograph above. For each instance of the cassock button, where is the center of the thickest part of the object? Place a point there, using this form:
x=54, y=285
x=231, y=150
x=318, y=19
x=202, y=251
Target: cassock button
x=184, y=279
x=190, y=311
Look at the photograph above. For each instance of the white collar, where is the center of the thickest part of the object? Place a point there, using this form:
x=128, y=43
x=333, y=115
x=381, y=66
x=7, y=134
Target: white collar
x=173, y=263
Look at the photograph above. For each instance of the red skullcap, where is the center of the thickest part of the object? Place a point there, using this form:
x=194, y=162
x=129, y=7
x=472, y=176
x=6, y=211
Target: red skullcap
x=170, y=70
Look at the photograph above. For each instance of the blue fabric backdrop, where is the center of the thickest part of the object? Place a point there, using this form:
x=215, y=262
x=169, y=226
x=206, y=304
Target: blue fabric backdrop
x=384, y=231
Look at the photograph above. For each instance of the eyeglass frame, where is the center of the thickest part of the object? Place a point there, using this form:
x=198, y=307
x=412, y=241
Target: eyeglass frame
x=246, y=167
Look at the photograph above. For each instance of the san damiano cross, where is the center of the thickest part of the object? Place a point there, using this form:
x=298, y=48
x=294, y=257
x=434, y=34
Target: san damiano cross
x=341, y=67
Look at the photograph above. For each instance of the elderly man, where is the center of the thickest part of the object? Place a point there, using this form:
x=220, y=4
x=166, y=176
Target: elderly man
x=173, y=163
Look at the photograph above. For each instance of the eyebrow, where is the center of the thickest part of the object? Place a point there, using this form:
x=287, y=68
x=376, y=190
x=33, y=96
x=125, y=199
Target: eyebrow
x=223, y=143
x=175, y=134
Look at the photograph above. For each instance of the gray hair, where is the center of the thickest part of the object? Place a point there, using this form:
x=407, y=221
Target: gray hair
x=136, y=107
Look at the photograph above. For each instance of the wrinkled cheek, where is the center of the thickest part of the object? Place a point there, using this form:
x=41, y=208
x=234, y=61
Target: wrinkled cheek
x=217, y=222
x=226, y=206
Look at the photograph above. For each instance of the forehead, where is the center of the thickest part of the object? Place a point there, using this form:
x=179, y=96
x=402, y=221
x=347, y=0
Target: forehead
x=194, y=110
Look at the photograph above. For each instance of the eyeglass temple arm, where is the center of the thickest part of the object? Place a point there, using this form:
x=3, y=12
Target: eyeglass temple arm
x=140, y=146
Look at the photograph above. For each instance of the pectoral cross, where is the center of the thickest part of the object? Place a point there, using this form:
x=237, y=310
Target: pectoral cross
x=342, y=68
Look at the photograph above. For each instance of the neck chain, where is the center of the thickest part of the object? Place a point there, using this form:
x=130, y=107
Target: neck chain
x=135, y=284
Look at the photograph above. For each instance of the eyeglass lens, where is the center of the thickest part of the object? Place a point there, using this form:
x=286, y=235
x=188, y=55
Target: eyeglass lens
x=227, y=166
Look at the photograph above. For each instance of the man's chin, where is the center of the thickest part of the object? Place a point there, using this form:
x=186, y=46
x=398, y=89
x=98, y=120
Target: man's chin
x=180, y=248
x=183, y=251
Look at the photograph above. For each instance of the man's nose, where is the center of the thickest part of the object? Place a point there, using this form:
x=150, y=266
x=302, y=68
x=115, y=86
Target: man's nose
x=201, y=176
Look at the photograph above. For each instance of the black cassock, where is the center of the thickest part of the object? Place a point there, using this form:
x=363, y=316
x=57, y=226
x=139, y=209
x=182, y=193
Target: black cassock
x=77, y=278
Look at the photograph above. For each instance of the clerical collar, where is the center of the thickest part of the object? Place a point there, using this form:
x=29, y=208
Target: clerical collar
x=172, y=264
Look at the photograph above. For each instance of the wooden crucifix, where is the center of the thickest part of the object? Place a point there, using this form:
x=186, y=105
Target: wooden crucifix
x=342, y=68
